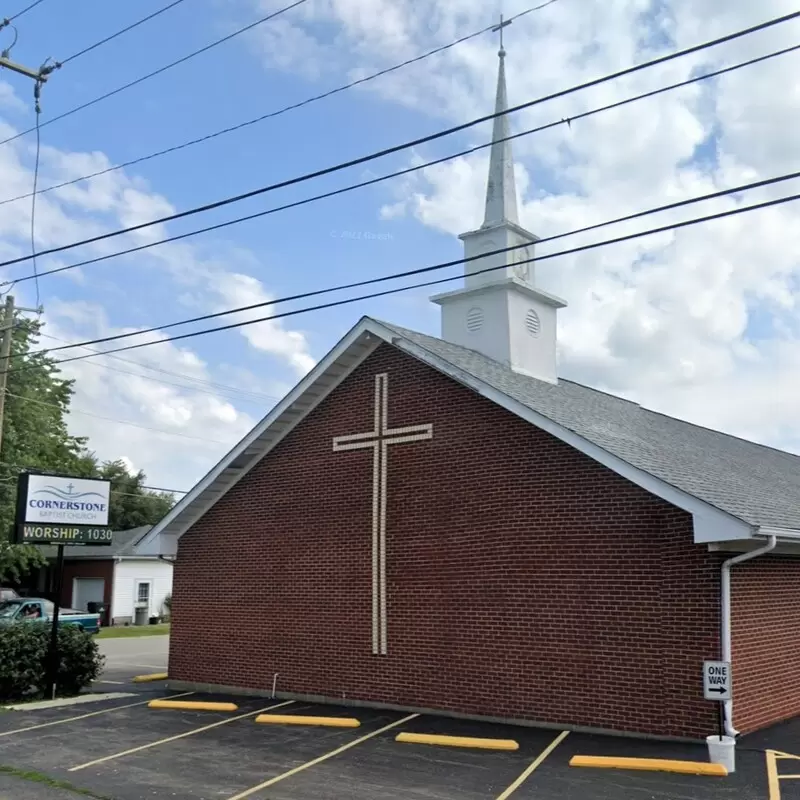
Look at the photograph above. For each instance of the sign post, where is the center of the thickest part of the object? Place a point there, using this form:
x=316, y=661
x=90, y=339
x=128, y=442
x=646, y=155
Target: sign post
x=60, y=510
x=717, y=687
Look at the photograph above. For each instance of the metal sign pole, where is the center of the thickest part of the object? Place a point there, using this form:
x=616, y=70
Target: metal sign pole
x=53, y=655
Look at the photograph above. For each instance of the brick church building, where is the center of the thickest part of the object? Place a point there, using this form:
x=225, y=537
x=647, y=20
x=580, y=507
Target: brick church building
x=443, y=524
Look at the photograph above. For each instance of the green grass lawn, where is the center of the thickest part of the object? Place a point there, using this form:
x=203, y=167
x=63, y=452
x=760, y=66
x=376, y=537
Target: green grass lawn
x=133, y=630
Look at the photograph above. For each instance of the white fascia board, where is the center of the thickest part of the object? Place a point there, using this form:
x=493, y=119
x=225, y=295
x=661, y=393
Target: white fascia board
x=781, y=533
x=711, y=524
x=788, y=546
x=150, y=542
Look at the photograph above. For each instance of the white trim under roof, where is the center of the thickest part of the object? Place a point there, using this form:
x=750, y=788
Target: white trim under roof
x=710, y=523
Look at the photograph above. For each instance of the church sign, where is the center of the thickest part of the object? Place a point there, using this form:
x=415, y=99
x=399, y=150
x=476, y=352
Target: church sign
x=54, y=509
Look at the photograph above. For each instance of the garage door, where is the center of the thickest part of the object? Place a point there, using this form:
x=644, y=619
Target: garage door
x=87, y=590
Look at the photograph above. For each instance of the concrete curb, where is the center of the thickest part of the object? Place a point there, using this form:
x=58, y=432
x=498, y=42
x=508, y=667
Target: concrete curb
x=650, y=765
x=457, y=741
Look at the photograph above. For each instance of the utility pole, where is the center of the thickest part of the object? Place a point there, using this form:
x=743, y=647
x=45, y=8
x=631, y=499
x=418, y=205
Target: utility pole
x=7, y=330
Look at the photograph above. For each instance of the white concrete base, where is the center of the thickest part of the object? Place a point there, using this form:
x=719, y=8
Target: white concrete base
x=68, y=701
x=722, y=750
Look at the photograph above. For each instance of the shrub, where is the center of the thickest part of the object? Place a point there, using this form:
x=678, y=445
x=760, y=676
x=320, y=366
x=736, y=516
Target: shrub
x=23, y=652
x=80, y=660
x=23, y=660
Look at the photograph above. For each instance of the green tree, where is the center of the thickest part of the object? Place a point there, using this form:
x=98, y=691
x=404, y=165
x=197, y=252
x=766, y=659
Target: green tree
x=131, y=504
x=35, y=436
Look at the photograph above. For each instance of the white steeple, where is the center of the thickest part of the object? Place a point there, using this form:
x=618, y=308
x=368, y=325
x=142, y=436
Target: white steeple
x=499, y=312
x=501, y=190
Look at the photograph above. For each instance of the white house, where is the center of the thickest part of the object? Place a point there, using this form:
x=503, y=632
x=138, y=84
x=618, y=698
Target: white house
x=120, y=575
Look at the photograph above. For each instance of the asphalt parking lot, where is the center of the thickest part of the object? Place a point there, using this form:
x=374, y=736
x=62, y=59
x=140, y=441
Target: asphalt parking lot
x=121, y=749
x=124, y=750
x=128, y=657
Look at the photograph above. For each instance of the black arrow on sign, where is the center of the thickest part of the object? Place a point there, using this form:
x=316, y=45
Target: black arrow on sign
x=720, y=689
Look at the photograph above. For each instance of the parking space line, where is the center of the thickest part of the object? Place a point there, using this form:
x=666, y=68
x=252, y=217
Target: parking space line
x=533, y=765
x=283, y=776
x=83, y=716
x=176, y=737
x=773, y=782
x=773, y=776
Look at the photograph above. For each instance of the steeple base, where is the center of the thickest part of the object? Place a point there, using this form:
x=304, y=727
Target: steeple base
x=508, y=321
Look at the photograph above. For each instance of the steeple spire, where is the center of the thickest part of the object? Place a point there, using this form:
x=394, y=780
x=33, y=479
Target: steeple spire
x=500, y=312
x=501, y=190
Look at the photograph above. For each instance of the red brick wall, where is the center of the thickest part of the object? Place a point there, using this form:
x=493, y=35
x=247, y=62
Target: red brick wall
x=88, y=569
x=765, y=606
x=524, y=579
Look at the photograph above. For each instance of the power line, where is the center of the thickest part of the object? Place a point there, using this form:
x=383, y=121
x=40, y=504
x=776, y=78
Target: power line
x=118, y=33
x=279, y=112
x=242, y=395
x=117, y=491
x=157, y=71
x=117, y=421
x=572, y=251
x=8, y=20
x=38, y=113
x=413, y=143
x=405, y=171
x=394, y=276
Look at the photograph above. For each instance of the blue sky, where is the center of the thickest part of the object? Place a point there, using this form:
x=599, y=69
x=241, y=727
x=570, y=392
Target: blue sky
x=299, y=249
x=682, y=323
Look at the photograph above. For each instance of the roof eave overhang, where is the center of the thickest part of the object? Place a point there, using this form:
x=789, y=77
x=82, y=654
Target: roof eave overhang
x=783, y=534
x=788, y=542
x=710, y=523
x=329, y=372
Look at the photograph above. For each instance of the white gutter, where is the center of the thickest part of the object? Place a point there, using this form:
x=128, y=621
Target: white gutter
x=725, y=622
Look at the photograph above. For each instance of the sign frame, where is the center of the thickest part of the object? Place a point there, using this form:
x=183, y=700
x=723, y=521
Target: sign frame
x=37, y=532
x=712, y=689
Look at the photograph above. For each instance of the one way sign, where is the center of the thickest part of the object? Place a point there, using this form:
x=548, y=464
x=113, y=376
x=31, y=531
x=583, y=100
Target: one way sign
x=717, y=680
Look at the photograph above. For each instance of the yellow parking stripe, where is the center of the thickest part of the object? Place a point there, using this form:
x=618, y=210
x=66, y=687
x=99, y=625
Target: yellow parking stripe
x=175, y=738
x=533, y=766
x=342, y=749
x=772, y=776
x=84, y=716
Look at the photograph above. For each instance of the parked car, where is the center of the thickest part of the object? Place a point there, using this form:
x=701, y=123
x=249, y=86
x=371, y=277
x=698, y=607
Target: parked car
x=7, y=594
x=36, y=609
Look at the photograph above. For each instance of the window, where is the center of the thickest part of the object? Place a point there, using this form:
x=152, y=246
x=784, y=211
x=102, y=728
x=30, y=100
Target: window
x=143, y=594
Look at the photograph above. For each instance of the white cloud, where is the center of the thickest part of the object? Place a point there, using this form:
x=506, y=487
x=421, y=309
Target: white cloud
x=242, y=290
x=699, y=322
x=184, y=426
x=178, y=418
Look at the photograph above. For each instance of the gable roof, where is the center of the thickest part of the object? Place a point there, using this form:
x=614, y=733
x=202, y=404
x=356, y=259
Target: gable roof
x=733, y=488
x=757, y=484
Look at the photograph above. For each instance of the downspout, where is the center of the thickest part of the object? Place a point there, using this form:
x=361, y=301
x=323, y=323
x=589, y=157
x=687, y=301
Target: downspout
x=725, y=622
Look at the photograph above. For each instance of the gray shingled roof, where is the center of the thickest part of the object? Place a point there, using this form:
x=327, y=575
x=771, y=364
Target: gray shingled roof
x=760, y=485
x=122, y=544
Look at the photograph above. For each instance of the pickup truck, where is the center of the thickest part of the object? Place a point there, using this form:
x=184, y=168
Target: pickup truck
x=36, y=609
